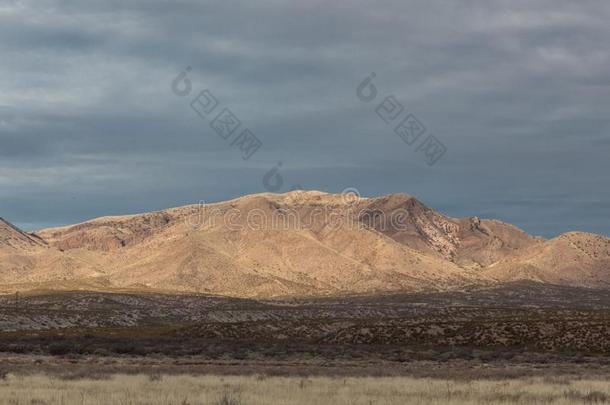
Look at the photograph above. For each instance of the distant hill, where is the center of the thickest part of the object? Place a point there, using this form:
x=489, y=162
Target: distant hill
x=295, y=244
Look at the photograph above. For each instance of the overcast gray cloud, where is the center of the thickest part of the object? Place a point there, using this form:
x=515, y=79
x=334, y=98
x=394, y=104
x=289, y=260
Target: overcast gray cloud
x=518, y=91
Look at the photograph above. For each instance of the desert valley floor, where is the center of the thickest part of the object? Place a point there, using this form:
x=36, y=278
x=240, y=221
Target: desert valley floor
x=520, y=343
x=380, y=288
x=520, y=323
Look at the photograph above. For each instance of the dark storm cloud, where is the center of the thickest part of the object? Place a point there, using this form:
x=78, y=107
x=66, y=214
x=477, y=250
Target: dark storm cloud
x=518, y=91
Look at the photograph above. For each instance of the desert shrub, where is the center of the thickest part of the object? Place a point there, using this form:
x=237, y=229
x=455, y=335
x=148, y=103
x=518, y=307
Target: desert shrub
x=592, y=397
x=155, y=377
x=595, y=397
x=227, y=398
x=84, y=373
x=101, y=352
x=128, y=349
x=14, y=348
x=304, y=383
x=59, y=349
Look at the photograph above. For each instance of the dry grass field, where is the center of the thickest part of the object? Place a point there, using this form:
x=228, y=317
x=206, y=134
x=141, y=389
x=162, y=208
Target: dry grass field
x=262, y=390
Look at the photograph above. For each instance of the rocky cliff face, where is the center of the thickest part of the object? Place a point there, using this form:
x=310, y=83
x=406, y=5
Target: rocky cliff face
x=13, y=238
x=468, y=242
x=107, y=234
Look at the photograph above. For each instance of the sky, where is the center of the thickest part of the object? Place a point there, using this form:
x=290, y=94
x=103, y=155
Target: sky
x=95, y=119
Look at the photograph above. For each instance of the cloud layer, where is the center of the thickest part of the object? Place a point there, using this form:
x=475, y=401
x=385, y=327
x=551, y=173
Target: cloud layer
x=518, y=92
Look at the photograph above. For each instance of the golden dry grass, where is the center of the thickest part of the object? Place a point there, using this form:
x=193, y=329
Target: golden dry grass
x=259, y=390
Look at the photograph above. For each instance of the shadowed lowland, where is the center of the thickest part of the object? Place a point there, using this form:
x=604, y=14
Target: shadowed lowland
x=295, y=244
x=519, y=343
x=524, y=325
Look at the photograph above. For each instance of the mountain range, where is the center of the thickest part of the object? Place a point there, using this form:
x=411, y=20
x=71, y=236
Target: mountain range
x=301, y=243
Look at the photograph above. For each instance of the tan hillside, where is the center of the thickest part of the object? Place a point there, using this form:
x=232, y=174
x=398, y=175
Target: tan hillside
x=298, y=243
x=27, y=258
x=17, y=251
x=14, y=239
x=574, y=258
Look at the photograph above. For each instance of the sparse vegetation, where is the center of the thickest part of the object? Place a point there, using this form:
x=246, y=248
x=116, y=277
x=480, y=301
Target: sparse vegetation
x=522, y=343
x=233, y=390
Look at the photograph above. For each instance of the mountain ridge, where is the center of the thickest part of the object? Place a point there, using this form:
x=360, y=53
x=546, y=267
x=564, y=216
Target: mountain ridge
x=298, y=243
